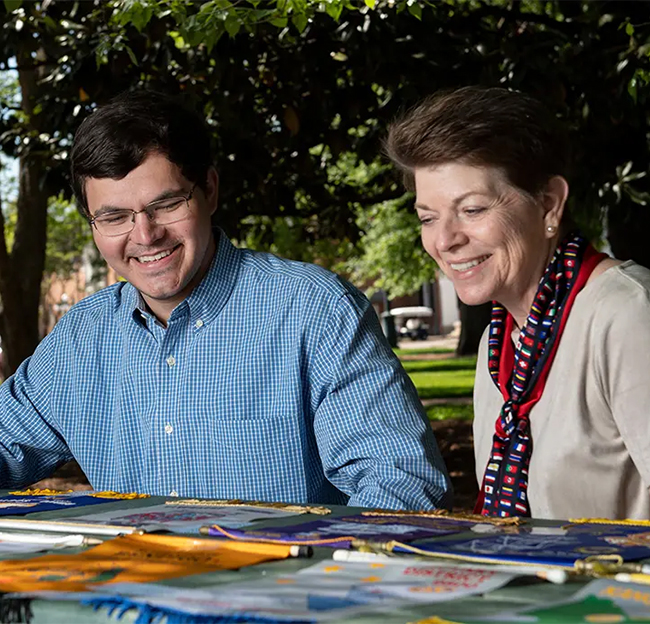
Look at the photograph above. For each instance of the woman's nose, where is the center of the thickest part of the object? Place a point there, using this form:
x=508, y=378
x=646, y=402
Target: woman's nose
x=450, y=234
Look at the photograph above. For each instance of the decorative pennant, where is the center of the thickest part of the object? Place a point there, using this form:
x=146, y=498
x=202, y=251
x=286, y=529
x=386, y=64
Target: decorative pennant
x=32, y=501
x=602, y=600
x=185, y=519
x=288, y=507
x=327, y=591
x=341, y=532
x=549, y=546
x=132, y=558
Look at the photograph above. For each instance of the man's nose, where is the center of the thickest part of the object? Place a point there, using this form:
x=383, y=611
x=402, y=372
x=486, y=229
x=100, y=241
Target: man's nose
x=145, y=231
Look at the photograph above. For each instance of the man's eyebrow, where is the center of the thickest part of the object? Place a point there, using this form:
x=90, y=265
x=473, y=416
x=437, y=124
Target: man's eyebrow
x=167, y=194
x=109, y=208
x=455, y=202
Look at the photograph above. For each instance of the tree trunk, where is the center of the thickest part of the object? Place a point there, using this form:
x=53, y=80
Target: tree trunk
x=21, y=271
x=628, y=227
x=473, y=321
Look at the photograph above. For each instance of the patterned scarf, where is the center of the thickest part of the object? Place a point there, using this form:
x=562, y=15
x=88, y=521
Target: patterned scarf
x=521, y=374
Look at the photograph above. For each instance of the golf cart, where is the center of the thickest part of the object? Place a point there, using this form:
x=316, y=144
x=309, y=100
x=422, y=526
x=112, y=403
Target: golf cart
x=410, y=321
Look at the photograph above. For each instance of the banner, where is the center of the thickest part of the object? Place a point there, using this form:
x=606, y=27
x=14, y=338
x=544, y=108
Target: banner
x=135, y=559
x=32, y=501
x=550, y=546
x=340, y=532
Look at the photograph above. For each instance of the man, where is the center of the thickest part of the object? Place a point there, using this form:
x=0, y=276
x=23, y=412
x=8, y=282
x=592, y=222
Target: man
x=211, y=371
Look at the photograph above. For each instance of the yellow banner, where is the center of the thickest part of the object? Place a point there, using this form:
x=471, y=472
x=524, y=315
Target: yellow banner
x=135, y=559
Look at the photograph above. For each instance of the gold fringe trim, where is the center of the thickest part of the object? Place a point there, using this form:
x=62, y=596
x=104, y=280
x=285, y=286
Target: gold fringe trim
x=296, y=509
x=443, y=513
x=37, y=492
x=626, y=522
x=107, y=494
x=434, y=619
x=120, y=495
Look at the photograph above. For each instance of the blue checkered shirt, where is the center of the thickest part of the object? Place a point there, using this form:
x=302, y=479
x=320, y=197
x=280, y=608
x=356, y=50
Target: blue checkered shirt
x=272, y=381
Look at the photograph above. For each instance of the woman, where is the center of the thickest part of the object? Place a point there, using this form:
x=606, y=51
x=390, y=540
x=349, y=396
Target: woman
x=565, y=365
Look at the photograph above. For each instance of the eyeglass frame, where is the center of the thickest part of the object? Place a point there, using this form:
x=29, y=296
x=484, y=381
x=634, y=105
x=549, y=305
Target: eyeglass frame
x=147, y=209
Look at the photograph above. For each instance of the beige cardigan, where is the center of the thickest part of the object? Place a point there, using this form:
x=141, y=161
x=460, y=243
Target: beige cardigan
x=591, y=427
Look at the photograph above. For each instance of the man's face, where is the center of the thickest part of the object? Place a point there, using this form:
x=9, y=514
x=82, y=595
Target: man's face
x=164, y=262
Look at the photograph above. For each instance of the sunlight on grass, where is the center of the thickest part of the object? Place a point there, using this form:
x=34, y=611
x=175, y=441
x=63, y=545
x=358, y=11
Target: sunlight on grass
x=439, y=366
x=437, y=379
x=449, y=411
x=430, y=350
x=443, y=384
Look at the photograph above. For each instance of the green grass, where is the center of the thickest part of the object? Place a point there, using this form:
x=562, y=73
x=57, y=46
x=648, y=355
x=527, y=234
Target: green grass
x=448, y=411
x=444, y=384
x=430, y=350
x=440, y=366
x=439, y=379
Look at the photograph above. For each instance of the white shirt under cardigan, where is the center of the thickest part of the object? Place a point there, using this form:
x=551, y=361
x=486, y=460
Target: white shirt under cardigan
x=591, y=427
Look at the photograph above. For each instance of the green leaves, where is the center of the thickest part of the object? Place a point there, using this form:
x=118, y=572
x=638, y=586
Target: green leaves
x=137, y=13
x=12, y=5
x=300, y=21
x=415, y=9
x=391, y=256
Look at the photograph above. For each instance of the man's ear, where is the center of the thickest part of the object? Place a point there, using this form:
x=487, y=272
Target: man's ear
x=554, y=200
x=212, y=189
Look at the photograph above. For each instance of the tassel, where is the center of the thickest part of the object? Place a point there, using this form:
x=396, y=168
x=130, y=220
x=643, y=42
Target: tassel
x=15, y=610
x=149, y=614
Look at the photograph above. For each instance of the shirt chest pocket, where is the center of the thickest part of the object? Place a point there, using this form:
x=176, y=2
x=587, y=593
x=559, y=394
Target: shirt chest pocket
x=259, y=458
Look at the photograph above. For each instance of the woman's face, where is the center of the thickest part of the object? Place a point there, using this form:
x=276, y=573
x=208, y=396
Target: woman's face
x=489, y=238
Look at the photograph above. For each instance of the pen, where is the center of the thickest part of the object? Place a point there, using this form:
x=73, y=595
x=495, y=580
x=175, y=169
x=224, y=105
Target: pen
x=358, y=555
x=296, y=550
x=67, y=527
x=49, y=540
x=624, y=577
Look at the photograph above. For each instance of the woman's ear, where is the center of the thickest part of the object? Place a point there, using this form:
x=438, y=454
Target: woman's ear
x=554, y=200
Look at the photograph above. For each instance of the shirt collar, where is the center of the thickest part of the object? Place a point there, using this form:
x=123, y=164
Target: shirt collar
x=207, y=300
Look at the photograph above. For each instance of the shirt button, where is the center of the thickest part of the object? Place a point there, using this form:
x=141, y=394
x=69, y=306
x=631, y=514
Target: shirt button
x=171, y=360
x=168, y=428
x=173, y=493
x=198, y=324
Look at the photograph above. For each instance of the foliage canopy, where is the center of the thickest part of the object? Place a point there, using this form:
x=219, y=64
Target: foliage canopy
x=297, y=94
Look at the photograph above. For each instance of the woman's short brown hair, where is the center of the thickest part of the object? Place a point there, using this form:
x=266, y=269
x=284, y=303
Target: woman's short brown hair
x=482, y=127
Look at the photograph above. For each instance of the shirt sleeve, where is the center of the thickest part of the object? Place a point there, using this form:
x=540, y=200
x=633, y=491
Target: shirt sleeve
x=620, y=344
x=374, y=440
x=31, y=447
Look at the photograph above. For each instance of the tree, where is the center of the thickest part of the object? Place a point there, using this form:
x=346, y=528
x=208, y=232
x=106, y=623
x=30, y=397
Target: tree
x=291, y=88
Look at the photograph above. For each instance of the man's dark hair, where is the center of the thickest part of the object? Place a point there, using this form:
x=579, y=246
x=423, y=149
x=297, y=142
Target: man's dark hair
x=118, y=137
x=481, y=127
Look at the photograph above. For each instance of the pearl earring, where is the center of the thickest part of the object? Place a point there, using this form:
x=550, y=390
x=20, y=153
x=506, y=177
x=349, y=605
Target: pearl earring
x=550, y=228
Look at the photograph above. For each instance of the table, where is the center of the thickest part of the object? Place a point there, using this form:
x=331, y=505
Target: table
x=517, y=594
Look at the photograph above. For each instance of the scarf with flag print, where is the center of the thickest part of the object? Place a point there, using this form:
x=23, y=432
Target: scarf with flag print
x=520, y=374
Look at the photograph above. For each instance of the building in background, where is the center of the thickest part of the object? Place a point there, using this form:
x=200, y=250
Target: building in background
x=439, y=295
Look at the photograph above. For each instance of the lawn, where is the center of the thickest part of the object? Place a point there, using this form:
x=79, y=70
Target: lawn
x=450, y=411
x=439, y=379
x=401, y=352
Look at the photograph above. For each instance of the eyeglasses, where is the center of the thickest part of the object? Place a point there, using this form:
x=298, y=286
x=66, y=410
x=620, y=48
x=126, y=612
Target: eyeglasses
x=161, y=212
